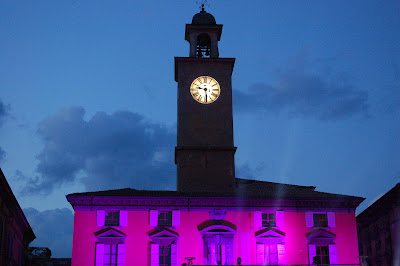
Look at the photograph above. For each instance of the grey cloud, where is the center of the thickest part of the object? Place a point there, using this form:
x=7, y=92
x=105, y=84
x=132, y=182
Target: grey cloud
x=108, y=151
x=4, y=112
x=247, y=171
x=2, y=155
x=53, y=229
x=306, y=89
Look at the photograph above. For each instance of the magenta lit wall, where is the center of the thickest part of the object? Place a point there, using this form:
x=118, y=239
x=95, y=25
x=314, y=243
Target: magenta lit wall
x=295, y=240
x=346, y=237
x=83, y=243
x=190, y=242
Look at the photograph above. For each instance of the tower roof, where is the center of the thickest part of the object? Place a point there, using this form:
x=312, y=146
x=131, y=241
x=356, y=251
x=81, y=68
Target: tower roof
x=203, y=18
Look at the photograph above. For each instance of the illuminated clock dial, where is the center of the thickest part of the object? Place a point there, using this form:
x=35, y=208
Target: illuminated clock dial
x=205, y=89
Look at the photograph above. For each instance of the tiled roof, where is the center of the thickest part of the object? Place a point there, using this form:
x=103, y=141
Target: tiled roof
x=244, y=188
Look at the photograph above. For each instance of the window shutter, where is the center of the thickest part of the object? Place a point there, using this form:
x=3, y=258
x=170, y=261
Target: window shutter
x=260, y=254
x=101, y=217
x=176, y=219
x=153, y=217
x=333, y=259
x=123, y=218
x=257, y=219
x=121, y=255
x=174, y=255
x=99, y=254
x=309, y=219
x=281, y=254
x=280, y=221
x=311, y=252
x=154, y=255
x=331, y=219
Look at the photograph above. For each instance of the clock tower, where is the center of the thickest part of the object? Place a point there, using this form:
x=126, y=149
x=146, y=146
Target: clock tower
x=205, y=152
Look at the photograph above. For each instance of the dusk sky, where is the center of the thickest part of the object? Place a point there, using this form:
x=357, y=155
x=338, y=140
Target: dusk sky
x=88, y=98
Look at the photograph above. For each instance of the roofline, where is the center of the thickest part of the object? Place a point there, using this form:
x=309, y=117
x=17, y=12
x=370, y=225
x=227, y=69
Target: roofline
x=375, y=206
x=16, y=204
x=299, y=186
x=93, y=202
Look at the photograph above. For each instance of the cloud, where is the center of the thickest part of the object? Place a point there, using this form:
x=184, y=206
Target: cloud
x=4, y=112
x=306, y=89
x=108, y=151
x=247, y=171
x=2, y=155
x=53, y=229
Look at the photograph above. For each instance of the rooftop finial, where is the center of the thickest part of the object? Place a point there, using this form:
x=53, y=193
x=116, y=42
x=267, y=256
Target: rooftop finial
x=201, y=4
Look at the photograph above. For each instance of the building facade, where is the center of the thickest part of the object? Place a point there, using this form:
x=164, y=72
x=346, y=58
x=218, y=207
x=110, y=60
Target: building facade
x=378, y=229
x=213, y=218
x=15, y=231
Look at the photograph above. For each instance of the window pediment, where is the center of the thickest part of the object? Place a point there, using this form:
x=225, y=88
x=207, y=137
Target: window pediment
x=163, y=231
x=110, y=236
x=320, y=233
x=163, y=236
x=321, y=237
x=217, y=227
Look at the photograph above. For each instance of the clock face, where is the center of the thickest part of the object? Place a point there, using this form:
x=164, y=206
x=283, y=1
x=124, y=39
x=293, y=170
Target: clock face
x=205, y=89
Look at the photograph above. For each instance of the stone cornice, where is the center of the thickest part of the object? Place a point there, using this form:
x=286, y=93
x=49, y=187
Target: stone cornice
x=85, y=202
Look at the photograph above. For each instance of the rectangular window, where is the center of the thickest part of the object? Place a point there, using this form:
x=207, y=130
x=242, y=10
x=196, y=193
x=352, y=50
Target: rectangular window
x=164, y=255
x=165, y=218
x=268, y=220
x=322, y=255
x=320, y=220
x=110, y=255
x=112, y=218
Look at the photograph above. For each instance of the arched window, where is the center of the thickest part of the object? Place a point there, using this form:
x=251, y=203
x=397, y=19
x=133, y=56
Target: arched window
x=217, y=241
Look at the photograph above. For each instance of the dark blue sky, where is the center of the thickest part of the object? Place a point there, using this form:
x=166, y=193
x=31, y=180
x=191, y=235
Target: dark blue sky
x=88, y=97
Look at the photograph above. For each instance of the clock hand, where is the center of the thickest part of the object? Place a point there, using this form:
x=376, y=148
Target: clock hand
x=205, y=93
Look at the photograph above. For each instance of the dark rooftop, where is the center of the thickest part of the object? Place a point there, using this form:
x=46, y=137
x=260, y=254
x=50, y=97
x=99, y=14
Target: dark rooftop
x=203, y=18
x=244, y=188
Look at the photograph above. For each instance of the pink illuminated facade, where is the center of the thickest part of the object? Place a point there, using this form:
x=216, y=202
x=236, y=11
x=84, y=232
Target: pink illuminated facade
x=151, y=227
x=213, y=218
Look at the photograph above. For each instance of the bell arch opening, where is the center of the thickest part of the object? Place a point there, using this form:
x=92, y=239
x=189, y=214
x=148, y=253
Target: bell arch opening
x=203, y=48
